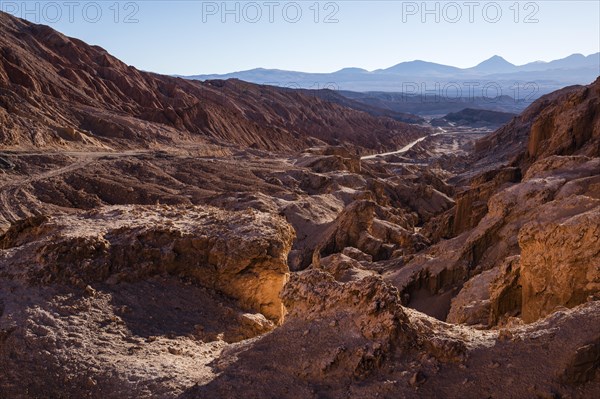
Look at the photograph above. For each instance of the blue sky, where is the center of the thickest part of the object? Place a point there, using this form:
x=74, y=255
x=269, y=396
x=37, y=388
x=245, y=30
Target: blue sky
x=198, y=37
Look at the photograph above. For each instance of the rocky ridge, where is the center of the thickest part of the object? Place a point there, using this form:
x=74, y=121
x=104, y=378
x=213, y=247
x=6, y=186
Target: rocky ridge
x=60, y=93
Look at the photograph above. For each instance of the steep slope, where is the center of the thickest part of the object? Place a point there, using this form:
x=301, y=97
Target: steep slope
x=337, y=98
x=566, y=122
x=173, y=274
x=59, y=91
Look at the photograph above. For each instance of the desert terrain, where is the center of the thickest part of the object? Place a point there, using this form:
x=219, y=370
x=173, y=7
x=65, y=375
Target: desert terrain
x=168, y=238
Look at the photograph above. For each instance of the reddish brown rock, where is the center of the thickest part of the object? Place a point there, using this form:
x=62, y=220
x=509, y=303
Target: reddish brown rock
x=188, y=300
x=471, y=205
x=472, y=304
x=506, y=293
x=565, y=122
x=242, y=254
x=344, y=268
x=362, y=225
x=560, y=259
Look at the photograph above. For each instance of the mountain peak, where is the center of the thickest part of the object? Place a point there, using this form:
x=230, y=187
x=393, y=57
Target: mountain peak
x=421, y=67
x=494, y=64
x=576, y=56
x=351, y=70
x=494, y=60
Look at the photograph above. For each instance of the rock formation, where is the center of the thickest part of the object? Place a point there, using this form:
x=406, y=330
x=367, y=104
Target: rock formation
x=242, y=255
x=560, y=259
x=223, y=240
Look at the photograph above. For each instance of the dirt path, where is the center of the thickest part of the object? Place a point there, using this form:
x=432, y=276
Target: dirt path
x=15, y=200
x=405, y=148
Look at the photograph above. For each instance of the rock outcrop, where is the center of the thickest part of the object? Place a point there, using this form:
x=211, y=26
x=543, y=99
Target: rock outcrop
x=541, y=167
x=472, y=304
x=345, y=269
x=554, y=188
x=362, y=225
x=565, y=122
x=330, y=159
x=506, y=292
x=242, y=255
x=471, y=205
x=560, y=259
x=329, y=347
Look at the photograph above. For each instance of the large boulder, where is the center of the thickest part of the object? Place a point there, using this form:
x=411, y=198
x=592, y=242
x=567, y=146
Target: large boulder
x=343, y=268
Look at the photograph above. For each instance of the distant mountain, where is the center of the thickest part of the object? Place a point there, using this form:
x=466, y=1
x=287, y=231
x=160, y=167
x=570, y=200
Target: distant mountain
x=492, y=77
x=421, y=68
x=350, y=70
x=571, y=62
x=495, y=64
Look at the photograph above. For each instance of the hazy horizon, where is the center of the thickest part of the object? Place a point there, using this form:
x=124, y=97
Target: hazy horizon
x=413, y=60
x=203, y=37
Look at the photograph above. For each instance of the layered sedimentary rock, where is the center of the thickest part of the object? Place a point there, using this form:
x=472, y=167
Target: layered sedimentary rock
x=554, y=190
x=242, y=255
x=565, y=122
x=363, y=225
x=471, y=205
x=356, y=339
x=560, y=260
